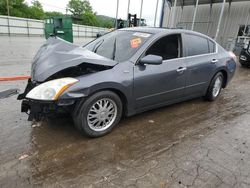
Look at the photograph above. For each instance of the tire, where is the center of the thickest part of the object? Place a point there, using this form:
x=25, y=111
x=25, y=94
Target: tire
x=245, y=65
x=215, y=87
x=92, y=113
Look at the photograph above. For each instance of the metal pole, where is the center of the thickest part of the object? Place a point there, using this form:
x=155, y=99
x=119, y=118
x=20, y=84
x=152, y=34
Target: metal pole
x=116, y=17
x=173, y=17
x=225, y=36
x=140, y=13
x=128, y=13
x=220, y=18
x=8, y=12
x=169, y=14
x=27, y=21
x=8, y=8
x=162, y=12
x=209, y=19
x=194, y=16
x=245, y=27
x=156, y=9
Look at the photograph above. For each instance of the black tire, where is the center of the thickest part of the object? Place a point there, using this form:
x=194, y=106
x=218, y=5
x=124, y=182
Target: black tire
x=244, y=65
x=210, y=96
x=80, y=116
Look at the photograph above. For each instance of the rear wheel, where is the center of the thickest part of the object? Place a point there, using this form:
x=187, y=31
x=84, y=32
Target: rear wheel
x=99, y=114
x=215, y=86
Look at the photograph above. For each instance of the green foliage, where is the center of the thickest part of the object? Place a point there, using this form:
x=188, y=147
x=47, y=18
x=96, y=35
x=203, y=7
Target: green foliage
x=105, y=21
x=36, y=10
x=80, y=9
x=16, y=8
x=89, y=18
x=53, y=14
x=19, y=8
x=83, y=12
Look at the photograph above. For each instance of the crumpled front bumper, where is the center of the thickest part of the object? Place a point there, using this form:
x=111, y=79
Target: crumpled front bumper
x=37, y=109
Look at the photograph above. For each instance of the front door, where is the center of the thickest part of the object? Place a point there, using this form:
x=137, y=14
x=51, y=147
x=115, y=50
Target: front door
x=156, y=84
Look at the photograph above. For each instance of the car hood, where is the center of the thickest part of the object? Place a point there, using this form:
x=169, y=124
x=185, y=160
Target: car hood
x=57, y=54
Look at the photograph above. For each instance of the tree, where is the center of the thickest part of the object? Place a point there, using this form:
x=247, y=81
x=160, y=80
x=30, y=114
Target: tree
x=16, y=8
x=53, y=14
x=89, y=18
x=79, y=7
x=36, y=10
x=19, y=8
x=105, y=21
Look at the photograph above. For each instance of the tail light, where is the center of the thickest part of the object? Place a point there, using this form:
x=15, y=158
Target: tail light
x=233, y=56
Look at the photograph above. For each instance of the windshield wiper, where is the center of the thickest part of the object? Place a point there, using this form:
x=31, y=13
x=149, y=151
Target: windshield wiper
x=114, y=50
x=97, y=46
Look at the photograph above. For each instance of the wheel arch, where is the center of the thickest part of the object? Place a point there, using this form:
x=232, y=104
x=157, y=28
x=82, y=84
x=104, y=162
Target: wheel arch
x=225, y=77
x=120, y=94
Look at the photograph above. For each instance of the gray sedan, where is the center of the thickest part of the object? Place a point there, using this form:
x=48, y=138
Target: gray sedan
x=123, y=73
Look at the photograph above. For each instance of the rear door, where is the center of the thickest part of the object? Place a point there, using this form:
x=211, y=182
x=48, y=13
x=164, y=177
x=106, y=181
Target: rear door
x=201, y=60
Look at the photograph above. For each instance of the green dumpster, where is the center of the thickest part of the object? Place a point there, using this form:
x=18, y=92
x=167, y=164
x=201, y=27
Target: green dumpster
x=60, y=26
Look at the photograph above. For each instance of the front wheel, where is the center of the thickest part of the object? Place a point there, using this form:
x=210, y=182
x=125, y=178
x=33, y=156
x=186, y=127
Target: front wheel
x=215, y=86
x=99, y=114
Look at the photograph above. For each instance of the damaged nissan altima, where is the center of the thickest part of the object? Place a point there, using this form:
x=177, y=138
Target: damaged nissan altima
x=123, y=73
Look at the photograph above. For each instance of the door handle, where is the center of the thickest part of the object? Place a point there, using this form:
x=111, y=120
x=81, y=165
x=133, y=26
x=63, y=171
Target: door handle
x=214, y=61
x=181, y=69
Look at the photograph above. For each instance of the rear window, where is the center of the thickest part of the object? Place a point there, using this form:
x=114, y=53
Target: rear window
x=196, y=45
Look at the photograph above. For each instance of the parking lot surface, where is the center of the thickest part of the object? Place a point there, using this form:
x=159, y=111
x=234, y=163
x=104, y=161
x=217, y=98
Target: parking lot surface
x=191, y=144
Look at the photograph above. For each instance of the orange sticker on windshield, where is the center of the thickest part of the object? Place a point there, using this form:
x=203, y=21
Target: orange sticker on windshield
x=134, y=43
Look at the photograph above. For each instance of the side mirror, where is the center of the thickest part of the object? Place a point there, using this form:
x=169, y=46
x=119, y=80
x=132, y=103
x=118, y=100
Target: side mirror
x=151, y=60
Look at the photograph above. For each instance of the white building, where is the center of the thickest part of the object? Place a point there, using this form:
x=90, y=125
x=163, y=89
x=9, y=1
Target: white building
x=223, y=20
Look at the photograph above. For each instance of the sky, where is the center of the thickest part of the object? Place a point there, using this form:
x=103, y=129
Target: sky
x=108, y=8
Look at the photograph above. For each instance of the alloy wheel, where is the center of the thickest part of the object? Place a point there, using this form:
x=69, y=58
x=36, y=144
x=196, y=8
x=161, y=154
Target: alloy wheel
x=102, y=114
x=217, y=86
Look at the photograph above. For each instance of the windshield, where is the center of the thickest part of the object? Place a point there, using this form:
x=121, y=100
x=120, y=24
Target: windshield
x=118, y=45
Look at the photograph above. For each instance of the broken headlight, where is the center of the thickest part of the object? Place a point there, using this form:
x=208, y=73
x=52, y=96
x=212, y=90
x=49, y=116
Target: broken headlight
x=51, y=90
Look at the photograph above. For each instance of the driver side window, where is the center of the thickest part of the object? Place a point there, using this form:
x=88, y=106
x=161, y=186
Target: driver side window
x=168, y=47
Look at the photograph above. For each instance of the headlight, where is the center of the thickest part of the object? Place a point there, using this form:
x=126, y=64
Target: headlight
x=51, y=90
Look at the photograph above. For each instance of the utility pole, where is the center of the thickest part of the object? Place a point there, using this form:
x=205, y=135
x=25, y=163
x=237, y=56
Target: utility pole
x=156, y=9
x=220, y=18
x=128, y=13
x=8, y=8
x=172, y=23
x=194, y=16
x=116, y=17
x=140, y=13
x=8, y=12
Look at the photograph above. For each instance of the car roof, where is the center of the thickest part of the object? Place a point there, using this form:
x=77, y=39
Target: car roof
x=158, y=30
